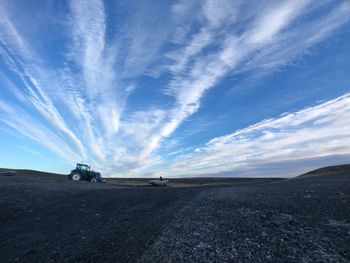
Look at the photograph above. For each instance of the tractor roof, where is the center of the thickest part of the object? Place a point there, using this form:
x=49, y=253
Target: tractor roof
x=83, y=164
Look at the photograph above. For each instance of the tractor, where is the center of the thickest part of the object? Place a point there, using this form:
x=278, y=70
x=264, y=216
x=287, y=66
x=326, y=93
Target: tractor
x=82, y=172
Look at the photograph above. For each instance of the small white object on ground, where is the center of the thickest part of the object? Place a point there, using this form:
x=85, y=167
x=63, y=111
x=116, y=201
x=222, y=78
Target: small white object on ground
x=158, y=182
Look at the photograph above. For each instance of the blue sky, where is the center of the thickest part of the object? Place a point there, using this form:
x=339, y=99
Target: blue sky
x=175, y=88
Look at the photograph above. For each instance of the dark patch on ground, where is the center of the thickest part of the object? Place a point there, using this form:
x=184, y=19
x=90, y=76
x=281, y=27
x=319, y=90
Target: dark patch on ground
x=51, y=219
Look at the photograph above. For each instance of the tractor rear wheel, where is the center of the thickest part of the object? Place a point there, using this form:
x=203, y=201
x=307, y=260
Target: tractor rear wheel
x=76, y=177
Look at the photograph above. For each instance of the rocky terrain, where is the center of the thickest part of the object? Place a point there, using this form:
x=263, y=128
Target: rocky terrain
x=50, y=219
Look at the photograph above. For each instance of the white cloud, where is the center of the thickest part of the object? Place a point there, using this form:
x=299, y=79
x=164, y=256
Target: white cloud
x=316, y=132
x=221, y=13
x=85, y=104
x=269, y=24
x=200, y=72
x=20, y=57
x=25, y=125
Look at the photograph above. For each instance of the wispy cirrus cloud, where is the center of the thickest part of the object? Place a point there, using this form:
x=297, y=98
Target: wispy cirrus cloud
x=107, y=62
x=198, y=68
x=22, y=61
x=313, y=133
x=23, y=124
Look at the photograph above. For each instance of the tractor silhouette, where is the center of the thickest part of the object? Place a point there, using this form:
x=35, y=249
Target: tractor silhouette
x=82, y=172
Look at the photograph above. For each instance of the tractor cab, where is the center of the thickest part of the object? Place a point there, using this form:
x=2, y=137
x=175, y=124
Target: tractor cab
x=83, y=172
x=83, y=168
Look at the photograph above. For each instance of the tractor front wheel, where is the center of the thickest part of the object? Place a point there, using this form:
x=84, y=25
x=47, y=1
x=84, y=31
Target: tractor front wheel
x=76, y=177
x=93, y=180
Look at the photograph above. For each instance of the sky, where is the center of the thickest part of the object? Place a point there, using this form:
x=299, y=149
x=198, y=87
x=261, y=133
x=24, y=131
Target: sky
x=184, y=88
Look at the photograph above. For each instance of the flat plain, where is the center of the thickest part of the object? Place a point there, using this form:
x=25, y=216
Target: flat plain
x=47, y=218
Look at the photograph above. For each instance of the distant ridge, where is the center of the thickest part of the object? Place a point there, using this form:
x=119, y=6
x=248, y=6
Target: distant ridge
x=26, y=172
x=336, y=170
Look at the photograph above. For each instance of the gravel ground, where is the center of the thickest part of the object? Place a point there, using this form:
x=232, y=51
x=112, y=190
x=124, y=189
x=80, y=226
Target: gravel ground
x=57, y=220
x=51, y=219
x=291, y=221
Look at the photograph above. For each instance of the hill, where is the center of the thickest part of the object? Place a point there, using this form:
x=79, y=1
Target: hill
x=329, y=171
x=26, y=172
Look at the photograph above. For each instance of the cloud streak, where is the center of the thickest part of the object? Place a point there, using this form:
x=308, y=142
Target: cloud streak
x=101, y=103
x=316, y=132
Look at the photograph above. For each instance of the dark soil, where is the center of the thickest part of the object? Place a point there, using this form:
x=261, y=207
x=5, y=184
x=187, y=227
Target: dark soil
x=51, y=219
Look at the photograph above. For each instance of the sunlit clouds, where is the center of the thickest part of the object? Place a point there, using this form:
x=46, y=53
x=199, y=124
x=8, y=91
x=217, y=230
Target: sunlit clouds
x=111, y=83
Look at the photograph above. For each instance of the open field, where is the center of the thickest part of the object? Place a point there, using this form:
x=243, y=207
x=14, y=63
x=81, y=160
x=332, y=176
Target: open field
x=192, y=182
x=50, y=219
